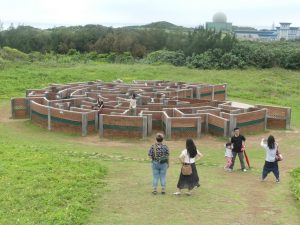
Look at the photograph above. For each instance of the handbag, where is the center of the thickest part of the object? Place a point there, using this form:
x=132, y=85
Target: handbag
x=186, y=169
x=278, y=156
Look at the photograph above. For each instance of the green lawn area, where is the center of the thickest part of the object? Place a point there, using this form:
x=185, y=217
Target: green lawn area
x=55, y=178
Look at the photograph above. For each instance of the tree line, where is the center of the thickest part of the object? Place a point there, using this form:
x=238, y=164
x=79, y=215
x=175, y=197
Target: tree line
x=197, y=48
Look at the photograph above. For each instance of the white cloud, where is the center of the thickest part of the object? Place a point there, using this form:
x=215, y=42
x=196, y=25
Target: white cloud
x=181, y=12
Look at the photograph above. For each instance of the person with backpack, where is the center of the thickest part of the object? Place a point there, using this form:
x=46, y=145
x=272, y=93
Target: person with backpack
x=159, y=154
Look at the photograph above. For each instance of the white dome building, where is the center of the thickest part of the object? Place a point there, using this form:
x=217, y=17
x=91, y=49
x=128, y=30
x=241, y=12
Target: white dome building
x=219, y=23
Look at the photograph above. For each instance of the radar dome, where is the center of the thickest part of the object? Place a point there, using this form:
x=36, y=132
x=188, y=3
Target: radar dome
x=219, y=18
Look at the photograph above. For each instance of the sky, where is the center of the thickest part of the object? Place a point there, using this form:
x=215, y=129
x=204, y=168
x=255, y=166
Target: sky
x=116, y=13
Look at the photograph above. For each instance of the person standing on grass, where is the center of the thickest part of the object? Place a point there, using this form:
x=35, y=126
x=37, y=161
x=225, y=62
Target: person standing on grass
x=271, y=164
x=189, y=156
x=238, y=142
x=228, y=157
x=159, y=154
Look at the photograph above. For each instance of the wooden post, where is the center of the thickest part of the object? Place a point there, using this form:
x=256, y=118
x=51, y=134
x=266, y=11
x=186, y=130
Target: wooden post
x=232, y=123
x=199, y=127
x=13, y=112
x=226, y=130
x=145, y=127
x=84, y=124
x=49, y=117
x=168, y=128
x=96, y=120
x=101, y=129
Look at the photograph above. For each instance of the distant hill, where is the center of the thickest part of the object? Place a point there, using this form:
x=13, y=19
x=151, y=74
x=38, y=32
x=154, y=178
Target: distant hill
x=164, y=25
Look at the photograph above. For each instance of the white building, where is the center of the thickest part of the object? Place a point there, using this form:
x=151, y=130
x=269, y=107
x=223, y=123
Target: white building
x=284, y=32
x=288, y=33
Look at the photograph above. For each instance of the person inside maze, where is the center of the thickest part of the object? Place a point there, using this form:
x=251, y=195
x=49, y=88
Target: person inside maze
x=132, y=105
x=99, y=105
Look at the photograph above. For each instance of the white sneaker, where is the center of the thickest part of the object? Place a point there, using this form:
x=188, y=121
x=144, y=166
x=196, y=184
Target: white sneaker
x=177, y=193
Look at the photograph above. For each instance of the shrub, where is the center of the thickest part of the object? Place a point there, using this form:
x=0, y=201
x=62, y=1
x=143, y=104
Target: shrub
x=263, y=57
x=292, y=60
x=229, y=61
x=201, y=61
x=176, y=58
x=13, y=54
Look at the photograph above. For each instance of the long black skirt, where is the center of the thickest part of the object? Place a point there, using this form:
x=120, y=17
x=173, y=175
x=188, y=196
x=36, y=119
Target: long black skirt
x=189, y=181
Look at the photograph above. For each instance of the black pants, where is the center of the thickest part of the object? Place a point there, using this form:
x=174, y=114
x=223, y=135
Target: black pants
x=241, y=157
x=270, y=167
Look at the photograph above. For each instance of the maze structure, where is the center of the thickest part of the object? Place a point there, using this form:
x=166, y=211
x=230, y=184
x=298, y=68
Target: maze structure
x=179, y=109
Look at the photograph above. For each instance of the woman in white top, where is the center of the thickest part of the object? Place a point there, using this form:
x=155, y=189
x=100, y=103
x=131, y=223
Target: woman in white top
x=189, y=156
x=271, y=164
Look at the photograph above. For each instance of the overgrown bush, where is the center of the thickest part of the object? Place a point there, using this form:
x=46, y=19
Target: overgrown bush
x=292, y=60
x=231, y=61
x=215, y=59
x=201, y=61
x=13, y=54
x=176, y=58
x=263, y=57
x=295, y=184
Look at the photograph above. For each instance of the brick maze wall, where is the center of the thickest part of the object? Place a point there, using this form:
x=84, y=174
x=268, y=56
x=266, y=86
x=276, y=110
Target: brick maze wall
x=184, y=127
x=277, y=117
x=217, y=125
x=122, y=127
x=169, y=106
x=251, y=121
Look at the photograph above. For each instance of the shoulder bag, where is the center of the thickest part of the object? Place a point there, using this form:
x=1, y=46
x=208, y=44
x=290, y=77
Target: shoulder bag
x=186, y=169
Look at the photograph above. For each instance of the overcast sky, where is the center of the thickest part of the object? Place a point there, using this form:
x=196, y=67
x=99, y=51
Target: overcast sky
x=191, y=13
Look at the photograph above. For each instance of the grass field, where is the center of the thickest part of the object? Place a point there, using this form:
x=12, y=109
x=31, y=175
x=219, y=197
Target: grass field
x=54, y=178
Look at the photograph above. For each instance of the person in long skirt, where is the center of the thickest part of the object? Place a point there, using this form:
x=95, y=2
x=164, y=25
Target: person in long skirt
x=271, y=164
x=189, y=156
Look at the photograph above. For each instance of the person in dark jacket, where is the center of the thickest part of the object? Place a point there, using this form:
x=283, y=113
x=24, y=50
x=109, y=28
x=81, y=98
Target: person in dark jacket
x=238, y=146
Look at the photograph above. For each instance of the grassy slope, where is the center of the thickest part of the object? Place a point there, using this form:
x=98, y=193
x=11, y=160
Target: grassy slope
x=272, y=86
x=127, y=199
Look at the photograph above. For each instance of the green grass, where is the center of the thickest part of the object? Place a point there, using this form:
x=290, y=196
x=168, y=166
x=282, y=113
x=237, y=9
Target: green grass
x=296, y=183
x=41, y=183
x=55, y=178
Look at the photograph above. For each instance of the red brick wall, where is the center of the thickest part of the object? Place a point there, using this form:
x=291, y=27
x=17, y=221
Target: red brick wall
x=121, y=121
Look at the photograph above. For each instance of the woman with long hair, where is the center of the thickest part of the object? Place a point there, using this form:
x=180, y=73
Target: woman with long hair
x=188, y=157
x=271, y=164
